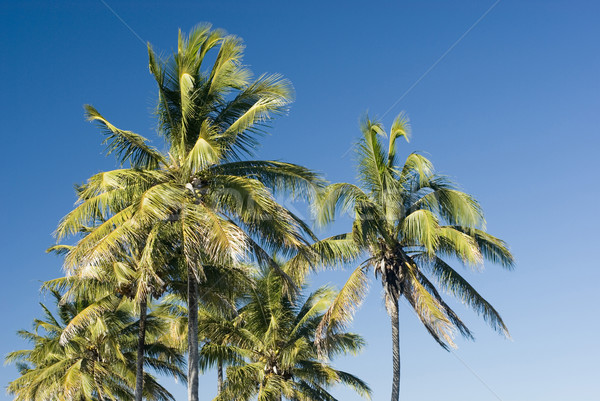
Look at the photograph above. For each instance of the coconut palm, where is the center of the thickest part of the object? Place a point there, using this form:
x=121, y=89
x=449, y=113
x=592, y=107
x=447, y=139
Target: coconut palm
x=122, y=277
x=412, y=223
x=223, y=291
x=221, y=299
x=207, y=204
x=270, y=345
x=96, y=363
x=219, y=296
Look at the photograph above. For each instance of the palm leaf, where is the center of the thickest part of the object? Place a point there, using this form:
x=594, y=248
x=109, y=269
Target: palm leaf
x=128, y=146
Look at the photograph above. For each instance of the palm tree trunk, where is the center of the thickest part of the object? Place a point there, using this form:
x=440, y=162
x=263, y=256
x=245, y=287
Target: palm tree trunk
x=192, y=337
x=219, y=377
x=139, y=364
x=396, y=350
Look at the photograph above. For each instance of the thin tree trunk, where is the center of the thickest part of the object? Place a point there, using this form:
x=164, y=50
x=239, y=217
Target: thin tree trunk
x=219, y=377
x=139, y=364
x=192, y=337
x=396, y=350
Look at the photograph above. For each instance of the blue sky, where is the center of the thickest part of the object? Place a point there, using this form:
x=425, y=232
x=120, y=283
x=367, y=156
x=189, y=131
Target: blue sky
x=511, y=112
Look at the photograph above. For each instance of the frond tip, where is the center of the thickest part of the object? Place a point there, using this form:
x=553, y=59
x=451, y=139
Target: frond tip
x=128, y=146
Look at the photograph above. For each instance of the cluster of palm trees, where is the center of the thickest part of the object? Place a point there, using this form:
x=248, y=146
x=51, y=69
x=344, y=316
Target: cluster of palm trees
x=183, y=256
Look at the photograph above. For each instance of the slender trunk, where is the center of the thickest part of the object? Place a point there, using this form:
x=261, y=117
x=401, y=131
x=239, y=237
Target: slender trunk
x=396, y=351
x=139, y=363
x=219, y=377
x=192, y=337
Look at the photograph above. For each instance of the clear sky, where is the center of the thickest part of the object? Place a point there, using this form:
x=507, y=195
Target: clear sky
x=511, y=111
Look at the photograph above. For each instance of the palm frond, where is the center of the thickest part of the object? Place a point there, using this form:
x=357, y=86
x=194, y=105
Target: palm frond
x=421, y=228
x=429, y=311
x=128, y=146
x=268, y=96
x=400, y=128
x=453, y=282
x=493, y=249
x=342, y=309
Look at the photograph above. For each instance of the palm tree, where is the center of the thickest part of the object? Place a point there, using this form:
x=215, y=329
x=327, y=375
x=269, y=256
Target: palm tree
x=410, y=221
x=96, y=362
x=220, y=293
x=223, y=292
x=270, y=345
x=208, y=205
x=221, y=299
x=122, y=277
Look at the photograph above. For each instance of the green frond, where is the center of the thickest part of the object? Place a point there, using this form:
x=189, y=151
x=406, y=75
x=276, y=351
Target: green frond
x=421, y=228
x=206, y=151
x=372, y=167
x=455, y=207
x=87, y=316
x=329, y=252
x=254, y=107
x=253, y=207
x=186, y=92
x=493, y=249
x=205, y=232
x=227, y=71
x=60, y=249
x=342, y=309
x=452, y=316
x=460, y=245
x=104, y=243
x=106, y=194
x=453, y=282
x=429, y=311
x=280, y=177
x=360, y=386
x=128, y=146
x=400, y=128
x=416, y=167
x=346, y=198
x=315, y=305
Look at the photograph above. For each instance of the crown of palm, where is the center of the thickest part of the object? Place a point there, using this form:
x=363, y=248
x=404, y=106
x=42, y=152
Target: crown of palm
x=215, y=207
x=96, y=362
x=409, y=220
x=270, y=345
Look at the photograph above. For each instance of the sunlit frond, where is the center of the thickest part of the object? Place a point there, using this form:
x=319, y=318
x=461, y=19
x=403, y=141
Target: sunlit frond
x=255, y=106
x=273, y=345
x=416, y=167
x=400, y=128
x=342, y=309
x=493, y=249
x=421, y=228
x=206, y=151
x=460, y=245
x=95, y=362
x=454, y=206
x=429, y=311
x=372, y=167
x=329, y=252
x=126, y=145
x=346, y=198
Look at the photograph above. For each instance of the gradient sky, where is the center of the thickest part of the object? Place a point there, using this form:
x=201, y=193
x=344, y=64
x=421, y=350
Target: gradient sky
x=511, y=112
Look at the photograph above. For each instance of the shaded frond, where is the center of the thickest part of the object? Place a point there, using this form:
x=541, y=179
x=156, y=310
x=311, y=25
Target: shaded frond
x=128, y=146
